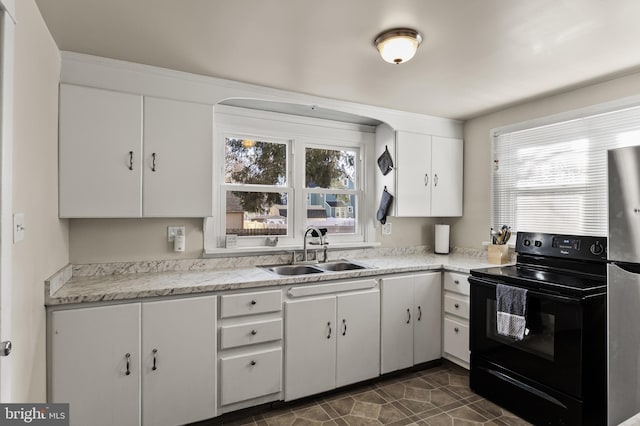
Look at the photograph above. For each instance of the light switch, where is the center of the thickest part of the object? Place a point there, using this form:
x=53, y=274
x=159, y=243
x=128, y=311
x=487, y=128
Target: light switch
x=172, y=231
x=18, y=227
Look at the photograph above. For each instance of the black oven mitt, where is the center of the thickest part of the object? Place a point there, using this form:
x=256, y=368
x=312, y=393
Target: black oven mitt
x=385, y=203
x=385, y=162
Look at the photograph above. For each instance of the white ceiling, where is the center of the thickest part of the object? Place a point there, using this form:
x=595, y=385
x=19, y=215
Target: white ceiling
x=477, y=55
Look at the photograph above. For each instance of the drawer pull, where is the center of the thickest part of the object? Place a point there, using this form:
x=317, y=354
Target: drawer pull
x=128, y=357
x=456, y=281
x=253, y=302
x=252, y=363
x=329, y=334
x=155, y=352
x=254, y=332
x=344, y=330
x=130, y=160
x=456, y=305
x=419, y=313
x=153, y=162
x=456, y=329
x=408, y=315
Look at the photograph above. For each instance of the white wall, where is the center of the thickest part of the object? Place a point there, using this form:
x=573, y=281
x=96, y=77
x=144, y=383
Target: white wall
x=35, y=193
x=473, y=227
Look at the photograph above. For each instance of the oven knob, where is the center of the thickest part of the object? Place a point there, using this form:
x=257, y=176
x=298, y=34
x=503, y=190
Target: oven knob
x=538, y=243
x=527, y=243
x=596, y=248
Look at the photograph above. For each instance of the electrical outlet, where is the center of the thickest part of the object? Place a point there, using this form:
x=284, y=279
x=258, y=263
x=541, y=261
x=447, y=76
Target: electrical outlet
x=386, y=228
x=172, y=231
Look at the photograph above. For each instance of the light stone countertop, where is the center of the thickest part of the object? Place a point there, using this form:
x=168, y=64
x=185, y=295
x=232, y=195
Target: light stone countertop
x=120, y=286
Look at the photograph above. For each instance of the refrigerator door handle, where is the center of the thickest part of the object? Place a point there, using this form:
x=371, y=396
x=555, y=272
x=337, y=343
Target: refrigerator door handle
x=632, y=268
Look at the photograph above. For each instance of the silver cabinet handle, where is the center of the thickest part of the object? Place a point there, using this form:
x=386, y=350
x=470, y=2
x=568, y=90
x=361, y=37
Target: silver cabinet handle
x=153, y=162
x=155, y=352
x=435, y=180
x=128, y=357
x=329, y=334
x=419, y=313
x=130, y=160
x=344, y=330
x=426, y=179
x=5, y=348
x=408, y=315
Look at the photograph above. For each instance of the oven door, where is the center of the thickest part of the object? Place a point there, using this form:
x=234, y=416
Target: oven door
x=549, y=354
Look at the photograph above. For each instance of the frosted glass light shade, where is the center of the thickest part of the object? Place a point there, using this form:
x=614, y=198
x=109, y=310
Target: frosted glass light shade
x=398, y=45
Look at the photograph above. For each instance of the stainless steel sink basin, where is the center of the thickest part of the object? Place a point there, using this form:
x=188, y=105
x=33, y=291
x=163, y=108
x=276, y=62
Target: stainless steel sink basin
x=294, y=270
x=341, y=265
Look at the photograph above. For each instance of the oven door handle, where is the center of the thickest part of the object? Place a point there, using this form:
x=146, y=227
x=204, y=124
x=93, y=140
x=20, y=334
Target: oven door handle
x=524, y=386
x=538, y=294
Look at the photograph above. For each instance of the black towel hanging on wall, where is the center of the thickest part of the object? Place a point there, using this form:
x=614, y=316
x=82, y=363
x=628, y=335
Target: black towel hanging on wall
x=385, y=162
x=385, y=204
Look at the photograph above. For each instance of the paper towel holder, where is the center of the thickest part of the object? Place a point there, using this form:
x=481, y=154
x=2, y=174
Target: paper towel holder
x=441, y=239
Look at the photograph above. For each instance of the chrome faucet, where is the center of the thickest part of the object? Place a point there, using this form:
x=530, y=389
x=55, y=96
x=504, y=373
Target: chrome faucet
x=322, y=243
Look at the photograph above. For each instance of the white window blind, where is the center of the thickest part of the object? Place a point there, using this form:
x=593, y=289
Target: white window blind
x=553, y=178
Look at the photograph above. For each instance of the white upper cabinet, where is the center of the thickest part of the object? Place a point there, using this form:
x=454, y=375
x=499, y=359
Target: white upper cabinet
x=121, y=156
x=177, y=180
x=427, y=175
x=100, y=153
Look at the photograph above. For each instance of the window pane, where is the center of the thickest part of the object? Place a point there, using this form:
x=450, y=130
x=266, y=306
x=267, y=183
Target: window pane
x=256, y=213
x=255, y=162
x=336, y=212
x=329, y=168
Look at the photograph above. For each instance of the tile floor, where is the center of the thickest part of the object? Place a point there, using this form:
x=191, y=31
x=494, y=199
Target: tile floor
x=432, y=397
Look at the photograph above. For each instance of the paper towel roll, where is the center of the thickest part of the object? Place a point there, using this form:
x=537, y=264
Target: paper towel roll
x=442, y=239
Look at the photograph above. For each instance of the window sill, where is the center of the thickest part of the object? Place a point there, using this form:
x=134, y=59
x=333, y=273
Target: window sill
x=260, y=250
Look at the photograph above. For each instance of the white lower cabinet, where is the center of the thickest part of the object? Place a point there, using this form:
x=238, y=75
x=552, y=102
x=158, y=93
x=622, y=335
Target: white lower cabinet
x=244, y=377
x=411, y=320
x=331, y=341
x=102, y=362
x=456, y=318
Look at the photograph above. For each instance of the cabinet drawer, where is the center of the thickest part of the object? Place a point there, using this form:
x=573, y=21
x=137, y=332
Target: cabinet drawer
x=234, y=305
x=249, y=334
x=456, y=282
x=456, y=305
x=456, y=339
x=250, y=376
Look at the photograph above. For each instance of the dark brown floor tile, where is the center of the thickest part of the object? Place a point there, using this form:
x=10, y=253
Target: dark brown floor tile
x=395, y=390
x=442, y=419
x=417, y=394
x=487, y=409
x=370, y=396
x=418, y=383
x=389, y=414
x=451, y=406
x=439, y=397
x=473, y=398
x=329, y=410
x=495, y=422
x=366, y=409
x=340, y=421
x=286, y=419
x=360, y=421
x=461, y=391
x=330, y=423
x=342, y=406
x=429, y=413
x=315, y=413
x=403, y=422
x=513, y=421
x=416, y=406
x=305, y=422
x=466, y=413
x=404, y=410
x=438, y=379
x=455, y=380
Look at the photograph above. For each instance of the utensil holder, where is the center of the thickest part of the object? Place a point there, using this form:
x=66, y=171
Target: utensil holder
x=498, y=254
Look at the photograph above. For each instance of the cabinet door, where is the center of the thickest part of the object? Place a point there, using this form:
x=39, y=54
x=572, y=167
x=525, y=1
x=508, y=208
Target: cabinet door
x=310, y=347
x=358, y=337
x=178, y=141
x=397, y=323
x=427, y=328
x=182, y=387
x=89, y=364
x=414, y=176
x=100, y=153
x=446, y=193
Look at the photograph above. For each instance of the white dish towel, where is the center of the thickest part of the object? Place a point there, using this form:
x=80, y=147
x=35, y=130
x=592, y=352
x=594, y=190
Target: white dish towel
x=511, y=309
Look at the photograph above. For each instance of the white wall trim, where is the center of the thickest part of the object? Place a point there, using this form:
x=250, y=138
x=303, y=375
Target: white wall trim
x=130, y=77
x=9, y=6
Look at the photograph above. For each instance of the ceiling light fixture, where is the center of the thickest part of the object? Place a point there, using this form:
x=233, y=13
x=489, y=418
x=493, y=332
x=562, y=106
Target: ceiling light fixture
x=398, y=45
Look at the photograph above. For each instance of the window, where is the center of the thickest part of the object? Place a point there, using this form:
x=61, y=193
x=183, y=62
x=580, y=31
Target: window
x=279, y=174
x=553, y=178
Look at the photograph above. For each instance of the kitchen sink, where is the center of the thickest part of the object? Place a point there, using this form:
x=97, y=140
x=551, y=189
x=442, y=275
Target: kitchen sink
x=294, y=269
x=316, y=268
x=341, y=265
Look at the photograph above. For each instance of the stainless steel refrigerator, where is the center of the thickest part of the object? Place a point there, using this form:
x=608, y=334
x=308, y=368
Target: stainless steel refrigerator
x=623, y=280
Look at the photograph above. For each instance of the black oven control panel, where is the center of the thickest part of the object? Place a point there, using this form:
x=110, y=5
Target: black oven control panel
x=579, y=247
